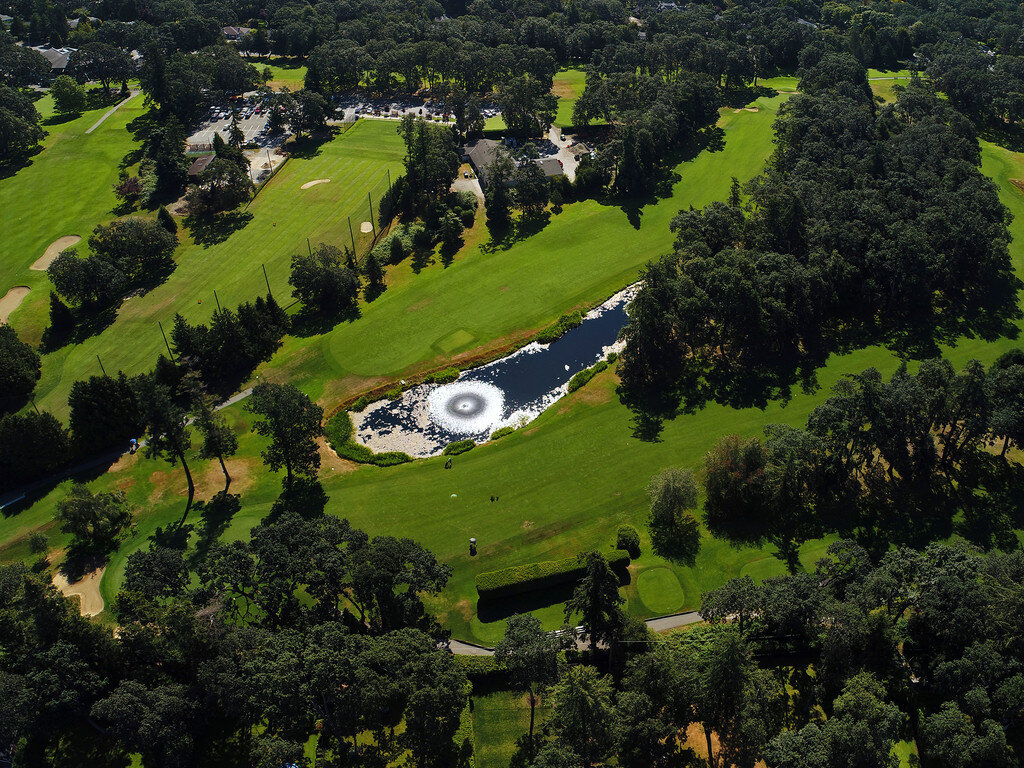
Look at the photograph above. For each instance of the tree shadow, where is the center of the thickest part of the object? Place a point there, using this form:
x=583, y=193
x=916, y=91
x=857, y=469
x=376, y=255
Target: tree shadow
x=311, y=145
x=213, y=230
x=215, y=515
x=503, y=237
x=11, y=165
x=306, y=323
x=174, y=536
x=60, y=119
x=304, y=496
x=421, y=259
x=81, y=561
x=499, y=608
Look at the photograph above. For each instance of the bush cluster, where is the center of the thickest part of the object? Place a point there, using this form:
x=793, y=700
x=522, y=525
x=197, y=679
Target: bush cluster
x=586, y=375
x=338, y=430
x=499, y=433
x=530, y=576
x=564, y=324
x=459, y=446
x=446, y=376
x=628, y=540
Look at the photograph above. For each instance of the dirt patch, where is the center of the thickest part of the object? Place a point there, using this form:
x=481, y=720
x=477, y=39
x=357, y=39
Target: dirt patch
x=53, y=251
x=746, y=109
x=419, y=305
x=527, y=524
x=331, y=461
x=211, y=481
x=1018, y=183
x=127, y=459
x=465, y=609
x=313, y=183
x=563, y=89
x=86, y=589
x=11, y=301
x=366, y=227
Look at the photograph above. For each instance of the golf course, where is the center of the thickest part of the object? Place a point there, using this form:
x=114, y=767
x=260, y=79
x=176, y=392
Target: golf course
x=564, y=483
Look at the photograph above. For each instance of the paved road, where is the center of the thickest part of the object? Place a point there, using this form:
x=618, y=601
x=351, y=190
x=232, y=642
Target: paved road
x=112, y=110
x=659, y=624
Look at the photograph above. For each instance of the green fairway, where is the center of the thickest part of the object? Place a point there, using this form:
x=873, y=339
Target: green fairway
x=66, y=189
x=285, y=75
x=568, y=480
x=498, y=720
x=279, y=220
x=567, y=86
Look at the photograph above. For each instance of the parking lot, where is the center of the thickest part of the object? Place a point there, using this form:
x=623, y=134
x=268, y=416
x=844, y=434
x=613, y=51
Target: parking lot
x=252, y=119
x=351, y=107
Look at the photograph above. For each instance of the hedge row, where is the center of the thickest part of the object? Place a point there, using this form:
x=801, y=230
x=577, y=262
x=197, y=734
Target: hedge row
x=565, y=323
x=459, y=446
x=338, y=430
x=363, y=455
x=499, y=433
x=531, y=576
x=586, y=375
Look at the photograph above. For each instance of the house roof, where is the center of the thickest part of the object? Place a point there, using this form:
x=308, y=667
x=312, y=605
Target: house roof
x=550, y=166
x=235, y=31
x=200, y=164
x=482, y=152
x=58, y=57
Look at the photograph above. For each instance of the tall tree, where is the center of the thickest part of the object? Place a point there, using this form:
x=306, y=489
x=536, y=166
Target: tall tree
x=597, y=600
x=292, y=422
x=168, y=434
x=531, y=657
x=582, y=714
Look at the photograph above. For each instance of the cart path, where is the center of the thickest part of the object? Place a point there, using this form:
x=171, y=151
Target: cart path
x=658, y=624
x=112, y=110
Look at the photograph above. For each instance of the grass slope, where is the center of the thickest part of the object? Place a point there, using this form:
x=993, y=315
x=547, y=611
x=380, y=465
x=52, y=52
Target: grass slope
x=66, y=189
x=282, y=217
x=566, y=481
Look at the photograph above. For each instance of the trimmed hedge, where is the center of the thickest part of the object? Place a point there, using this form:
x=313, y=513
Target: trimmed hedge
x=531, y=576
x=338, y=430
x=459, y=446
x=361, y=454
x=499, y=433
x=445, y=376
x=586, y=375
x=565, y=323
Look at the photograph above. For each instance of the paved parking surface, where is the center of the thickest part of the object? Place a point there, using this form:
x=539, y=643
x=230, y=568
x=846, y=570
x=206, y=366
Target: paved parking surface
x=252, y=126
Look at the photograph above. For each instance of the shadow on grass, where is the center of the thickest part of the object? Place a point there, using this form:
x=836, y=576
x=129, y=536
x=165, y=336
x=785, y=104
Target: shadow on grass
x=307, y=323
x=212, y=230
x=504, y=236
x=215, y=516
x=67, y=117
x=310, y=146
x=497, y=609
x=12, y=165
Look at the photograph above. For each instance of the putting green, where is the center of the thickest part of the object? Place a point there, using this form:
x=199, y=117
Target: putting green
x=660, y=590
x=454, y=341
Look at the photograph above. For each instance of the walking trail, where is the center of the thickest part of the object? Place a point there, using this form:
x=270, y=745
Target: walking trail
x=112, y=110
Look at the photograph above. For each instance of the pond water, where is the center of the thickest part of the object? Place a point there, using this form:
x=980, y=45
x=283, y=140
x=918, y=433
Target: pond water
x=511, y=391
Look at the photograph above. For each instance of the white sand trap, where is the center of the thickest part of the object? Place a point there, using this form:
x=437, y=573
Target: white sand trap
x=11, y=300
x=53, y=251
x=366, y=227
x=746, y=109
x=87, y=589
x=313, y=183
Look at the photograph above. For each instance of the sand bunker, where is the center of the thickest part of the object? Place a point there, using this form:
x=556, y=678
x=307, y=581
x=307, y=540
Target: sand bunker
x=53, y=251
x=747, y=109
x=11, y=300
x=313, y=183
x=87, y=590
x=366, y=227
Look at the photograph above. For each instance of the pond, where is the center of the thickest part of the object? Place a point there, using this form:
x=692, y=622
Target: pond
x=509, y=392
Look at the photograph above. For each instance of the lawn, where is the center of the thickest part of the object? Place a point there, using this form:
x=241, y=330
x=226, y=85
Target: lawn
x=285, y=75
x=567, y=86
x=66, y=189
x=499, y=719
x=273, y=228
x=568, y=480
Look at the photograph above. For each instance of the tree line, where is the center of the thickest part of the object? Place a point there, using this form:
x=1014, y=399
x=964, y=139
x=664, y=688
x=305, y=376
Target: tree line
x=806, y=260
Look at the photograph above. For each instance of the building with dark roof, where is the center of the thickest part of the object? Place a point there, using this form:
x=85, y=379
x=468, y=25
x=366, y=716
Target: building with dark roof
x=199, y=165
x=235, y=33
x=480, y=154
x=58, y=57
x=551, y=166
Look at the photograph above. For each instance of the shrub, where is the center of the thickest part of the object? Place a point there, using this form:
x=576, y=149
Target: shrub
x=629, y=540
x=360, y=404
x=389, y=458
x=531, y=576
x=586, y=375
x=421, y=237
x=565, y=323
x=394, y=394
x=356, y=452
x=164, y=218
x=396, y=249
x=446, y=376
x=499, y=433
x=338, y=430
x=467, y=218
x=459, y=446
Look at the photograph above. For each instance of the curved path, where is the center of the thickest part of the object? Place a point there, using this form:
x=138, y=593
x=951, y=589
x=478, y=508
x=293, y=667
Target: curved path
x=658, y=624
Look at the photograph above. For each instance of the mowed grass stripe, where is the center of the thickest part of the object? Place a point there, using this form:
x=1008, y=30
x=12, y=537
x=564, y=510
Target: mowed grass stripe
x=283, y=216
